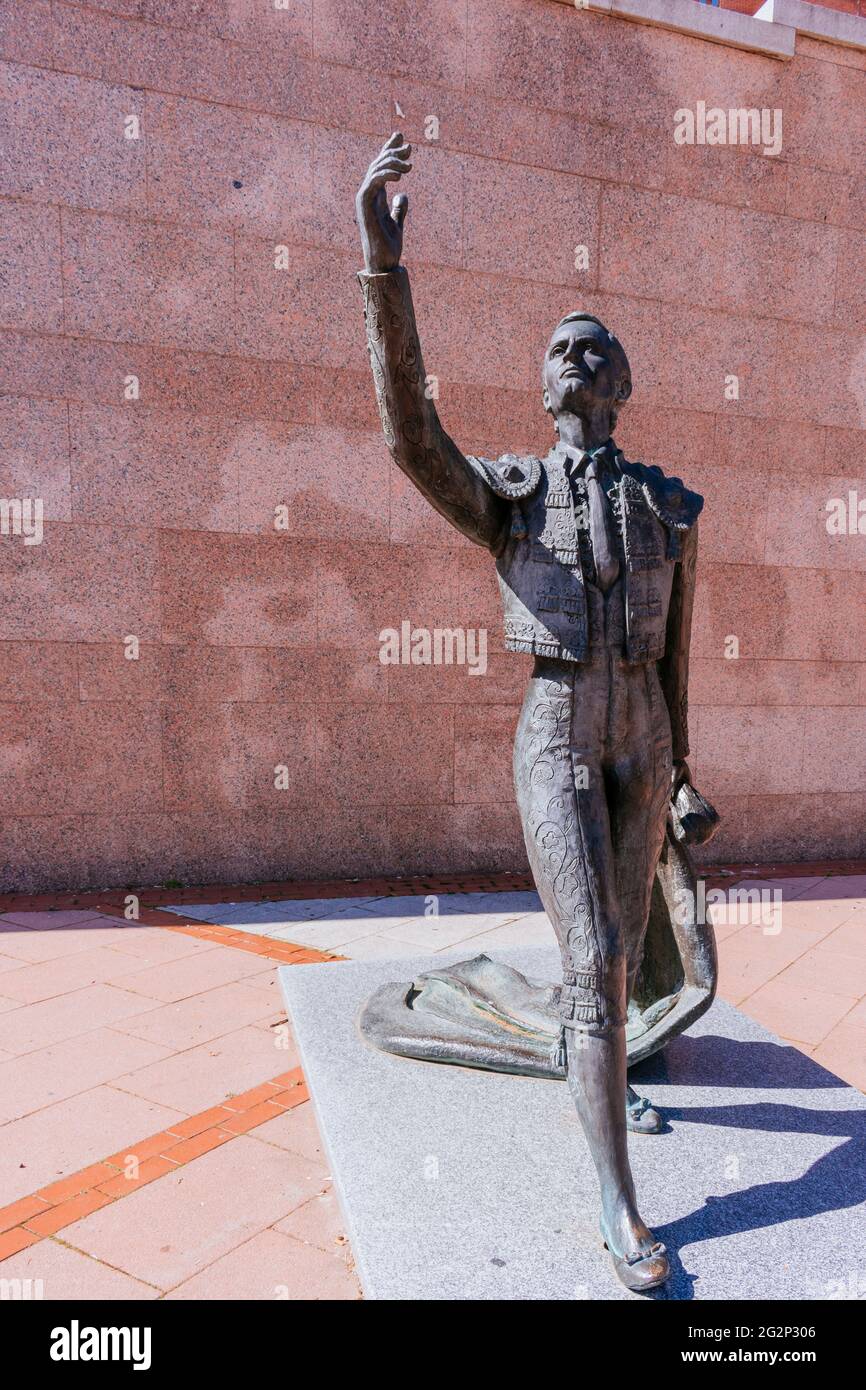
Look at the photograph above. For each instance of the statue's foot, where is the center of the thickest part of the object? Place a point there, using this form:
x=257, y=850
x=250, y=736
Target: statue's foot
x=640, y=1261
x=640, y=1117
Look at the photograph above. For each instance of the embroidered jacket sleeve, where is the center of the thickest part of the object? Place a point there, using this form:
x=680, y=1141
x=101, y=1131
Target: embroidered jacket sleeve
x=420, y=446
x=674, y=668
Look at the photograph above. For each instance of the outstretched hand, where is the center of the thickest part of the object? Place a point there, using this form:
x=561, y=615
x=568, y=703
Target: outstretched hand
x=382, y=230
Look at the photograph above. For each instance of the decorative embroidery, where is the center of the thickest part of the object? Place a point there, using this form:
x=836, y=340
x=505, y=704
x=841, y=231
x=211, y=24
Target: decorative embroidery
x=650, y=606
x=586, y=1013
x=519, y=629
x=510, y=476
x=554, y=602
x=673, y=503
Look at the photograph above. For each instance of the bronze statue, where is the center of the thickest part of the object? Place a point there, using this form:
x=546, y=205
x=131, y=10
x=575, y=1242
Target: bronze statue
x=596, y=561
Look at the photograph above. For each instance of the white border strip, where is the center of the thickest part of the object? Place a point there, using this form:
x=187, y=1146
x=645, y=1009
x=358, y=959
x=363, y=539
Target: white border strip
x=704, y=21
x=772, y=30
x=815, y=20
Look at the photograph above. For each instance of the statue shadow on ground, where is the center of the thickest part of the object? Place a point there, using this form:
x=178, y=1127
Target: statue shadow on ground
x=834, y=1182
x=713, y=1060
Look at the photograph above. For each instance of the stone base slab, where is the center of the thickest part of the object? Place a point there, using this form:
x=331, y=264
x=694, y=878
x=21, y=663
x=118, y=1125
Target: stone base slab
x=461, y=1184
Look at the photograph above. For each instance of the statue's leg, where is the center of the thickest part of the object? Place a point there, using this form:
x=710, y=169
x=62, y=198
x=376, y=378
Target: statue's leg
x=638, y=775
x=562, y=799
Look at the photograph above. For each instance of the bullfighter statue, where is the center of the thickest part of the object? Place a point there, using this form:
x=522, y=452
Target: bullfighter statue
x=596, y=563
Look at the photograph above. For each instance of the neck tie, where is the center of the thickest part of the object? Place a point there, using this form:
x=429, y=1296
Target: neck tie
x=600, y=528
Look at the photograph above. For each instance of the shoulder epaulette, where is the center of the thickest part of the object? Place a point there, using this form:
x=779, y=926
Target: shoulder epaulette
x=673, y=503
x=511, y=476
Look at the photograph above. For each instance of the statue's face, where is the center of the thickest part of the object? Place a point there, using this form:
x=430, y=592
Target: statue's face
x=583, y=370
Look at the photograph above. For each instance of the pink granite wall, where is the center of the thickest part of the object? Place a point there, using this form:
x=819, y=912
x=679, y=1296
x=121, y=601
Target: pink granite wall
x=154, y=258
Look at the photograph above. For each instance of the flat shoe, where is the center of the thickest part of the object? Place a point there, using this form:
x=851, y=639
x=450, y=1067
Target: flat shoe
x=640, y=1117
x=641, y=1270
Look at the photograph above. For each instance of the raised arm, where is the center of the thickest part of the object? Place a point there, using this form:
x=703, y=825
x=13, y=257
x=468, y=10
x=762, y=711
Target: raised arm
x=455, y=486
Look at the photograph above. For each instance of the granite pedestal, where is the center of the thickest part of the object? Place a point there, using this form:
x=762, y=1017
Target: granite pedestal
x=462, y=1184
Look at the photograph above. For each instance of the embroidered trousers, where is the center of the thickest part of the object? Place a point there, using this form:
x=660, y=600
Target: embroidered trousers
x=592, y=769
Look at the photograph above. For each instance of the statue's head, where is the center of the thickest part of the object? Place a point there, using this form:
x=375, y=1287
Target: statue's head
x=585, y=371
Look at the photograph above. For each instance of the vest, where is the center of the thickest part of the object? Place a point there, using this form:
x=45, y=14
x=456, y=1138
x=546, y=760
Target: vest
x=539, y=567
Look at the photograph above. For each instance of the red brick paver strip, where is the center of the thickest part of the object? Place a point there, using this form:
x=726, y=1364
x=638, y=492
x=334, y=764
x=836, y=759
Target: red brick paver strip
x=58, y=1205
x=285, y=952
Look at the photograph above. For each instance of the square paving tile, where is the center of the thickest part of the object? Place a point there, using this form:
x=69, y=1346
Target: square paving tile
x=295, y=1130
x=207, y=1074
x=377, y=948
x=534, y=929
x=250, y=916
x=329, y=933
x=832, y=972
x=793, y=887
x=50, y=978
x=170, y=981
x=198, y=1019
x=53, y=1020
x=838, y=887
x=155, y=945
x=72, y=1134
x=843, y=1051
x=799, y=1012
x=67, y=1068
x=850, y=938
x=57, y=1272
x=31, y=947
x=176, y=1227
x=52, y=921
x=271, y=1267
x=751, y=957
x=318, y=1222
x=437, y=933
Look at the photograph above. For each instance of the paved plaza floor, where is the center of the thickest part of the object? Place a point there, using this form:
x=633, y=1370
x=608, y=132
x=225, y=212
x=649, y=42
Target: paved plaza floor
x=156, y=1140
